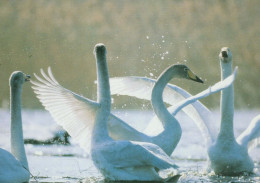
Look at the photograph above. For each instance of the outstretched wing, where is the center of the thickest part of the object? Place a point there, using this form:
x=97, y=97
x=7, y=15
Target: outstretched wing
x=251, y=136
x=141, y=87
x=75, y=113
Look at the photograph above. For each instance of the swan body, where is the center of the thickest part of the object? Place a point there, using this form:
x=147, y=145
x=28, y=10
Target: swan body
x=14, y=166
x=116, y=159
x=227, y=155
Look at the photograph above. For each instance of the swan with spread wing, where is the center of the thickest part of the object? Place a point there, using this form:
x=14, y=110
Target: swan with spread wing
x=14, y=166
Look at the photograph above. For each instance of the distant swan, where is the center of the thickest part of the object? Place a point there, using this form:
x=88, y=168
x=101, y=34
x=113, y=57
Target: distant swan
x=116, y=160
x=14, y=165
x=66, y=106
x=202, y=116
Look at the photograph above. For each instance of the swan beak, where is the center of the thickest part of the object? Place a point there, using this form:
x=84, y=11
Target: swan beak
x=193, y=77
x=27, y=77
x=224, y=54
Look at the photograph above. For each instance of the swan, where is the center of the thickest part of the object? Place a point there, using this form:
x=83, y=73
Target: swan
x=141, y=88
x=115, y=159
x=227, y=155
x=14, y=165
x=66, y=106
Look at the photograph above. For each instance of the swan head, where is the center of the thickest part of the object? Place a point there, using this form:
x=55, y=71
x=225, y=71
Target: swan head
x=17, y=79
x=100, y=51
x=225, y=55
x=184, y=72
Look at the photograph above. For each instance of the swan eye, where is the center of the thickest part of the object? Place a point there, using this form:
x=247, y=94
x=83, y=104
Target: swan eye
x=185, y=69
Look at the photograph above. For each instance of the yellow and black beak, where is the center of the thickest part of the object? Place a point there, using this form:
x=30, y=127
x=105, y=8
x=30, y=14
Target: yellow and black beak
x=193, y=77
x=27, y=77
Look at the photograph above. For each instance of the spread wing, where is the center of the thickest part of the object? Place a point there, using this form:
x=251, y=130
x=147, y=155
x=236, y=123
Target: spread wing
x=251, y=136
x=141, y=87
x=75, y=113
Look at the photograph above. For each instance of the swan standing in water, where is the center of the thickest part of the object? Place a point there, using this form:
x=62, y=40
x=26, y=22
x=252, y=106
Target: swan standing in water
x=14, y=165
x=142, y=87
x=227, y=155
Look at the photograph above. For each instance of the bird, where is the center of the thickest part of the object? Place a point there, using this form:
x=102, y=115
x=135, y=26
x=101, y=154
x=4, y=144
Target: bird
x=141, y=88
x=124, y=160
x=14, y=166
x=229, y=155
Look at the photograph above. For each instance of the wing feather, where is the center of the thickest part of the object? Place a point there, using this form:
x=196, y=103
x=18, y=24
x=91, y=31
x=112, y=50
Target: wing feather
x=141, y=87
x=73, y=112
x=251, y=136
x=76, y=114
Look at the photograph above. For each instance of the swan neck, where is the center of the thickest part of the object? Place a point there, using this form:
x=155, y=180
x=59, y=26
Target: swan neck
x=227, y=103
x=103, y=93
x=157, y=99
x=17, y=142
x=100, y=131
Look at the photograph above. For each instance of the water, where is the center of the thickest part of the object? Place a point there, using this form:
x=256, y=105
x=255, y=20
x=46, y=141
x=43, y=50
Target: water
x=59, y=163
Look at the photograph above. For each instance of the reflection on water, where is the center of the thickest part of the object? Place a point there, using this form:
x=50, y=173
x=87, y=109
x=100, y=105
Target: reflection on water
x=60, y=163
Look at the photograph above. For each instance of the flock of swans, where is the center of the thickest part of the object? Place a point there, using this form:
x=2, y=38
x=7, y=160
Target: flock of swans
x=121, y=152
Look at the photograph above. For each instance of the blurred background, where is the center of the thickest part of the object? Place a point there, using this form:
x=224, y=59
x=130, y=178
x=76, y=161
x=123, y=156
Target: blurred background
x=142, y=39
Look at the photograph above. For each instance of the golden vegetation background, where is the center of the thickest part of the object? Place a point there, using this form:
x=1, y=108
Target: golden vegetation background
x=142, y=38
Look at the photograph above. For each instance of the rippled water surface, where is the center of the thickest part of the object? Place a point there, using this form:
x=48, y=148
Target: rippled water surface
x=60, y=163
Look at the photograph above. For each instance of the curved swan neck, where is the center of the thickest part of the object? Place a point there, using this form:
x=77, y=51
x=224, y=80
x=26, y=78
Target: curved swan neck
x=100, y=131
x=17, y=144
x=227, y=103
x=157, y=98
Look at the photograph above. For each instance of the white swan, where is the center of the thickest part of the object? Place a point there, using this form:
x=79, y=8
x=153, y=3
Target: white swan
x=14, y=165
x=116, y=160
x=227, y=155
x=142, y=87
x=66, y=106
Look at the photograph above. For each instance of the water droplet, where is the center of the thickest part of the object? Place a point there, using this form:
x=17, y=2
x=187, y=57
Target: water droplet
x=151, y=74
x=186, y=41
x=162, y=58
x=163, y=41
x=147, y=37
x=185, y=60
x=162, y=36
x=112, y=100
x=166, y=52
